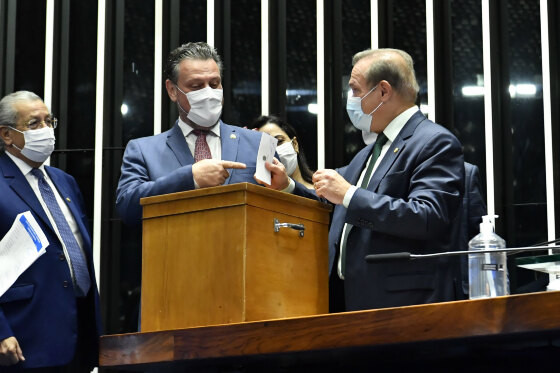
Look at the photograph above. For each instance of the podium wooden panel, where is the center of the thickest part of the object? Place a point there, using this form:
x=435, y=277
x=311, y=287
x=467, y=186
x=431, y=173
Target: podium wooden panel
x=211, y=256
x=516, y=331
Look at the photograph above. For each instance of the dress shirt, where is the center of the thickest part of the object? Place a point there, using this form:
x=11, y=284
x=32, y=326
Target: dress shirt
x=34, y=183
x=212, y=138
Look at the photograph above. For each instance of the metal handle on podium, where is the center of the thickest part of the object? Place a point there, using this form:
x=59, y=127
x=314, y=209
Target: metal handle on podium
x=298, y=227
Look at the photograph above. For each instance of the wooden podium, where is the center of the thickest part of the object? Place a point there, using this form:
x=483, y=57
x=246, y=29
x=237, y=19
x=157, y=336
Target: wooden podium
x=214, y=256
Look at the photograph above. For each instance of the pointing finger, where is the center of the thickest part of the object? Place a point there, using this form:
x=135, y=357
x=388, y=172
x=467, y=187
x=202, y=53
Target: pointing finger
x=230, y=164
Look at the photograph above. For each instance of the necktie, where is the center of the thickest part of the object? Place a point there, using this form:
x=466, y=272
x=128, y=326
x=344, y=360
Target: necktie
x=201, y=148
x=381, y=140
x=77, y=258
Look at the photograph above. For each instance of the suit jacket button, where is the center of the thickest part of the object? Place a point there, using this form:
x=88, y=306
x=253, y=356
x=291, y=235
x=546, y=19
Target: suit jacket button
x=61, y=257
x=65, y=284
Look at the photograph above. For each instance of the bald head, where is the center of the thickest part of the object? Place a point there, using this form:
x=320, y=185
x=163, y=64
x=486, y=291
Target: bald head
x=393, y=65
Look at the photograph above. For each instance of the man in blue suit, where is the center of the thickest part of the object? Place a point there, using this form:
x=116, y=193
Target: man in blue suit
x=199, y=150
x=469, y=219
x=49, y=318
x=401, y=194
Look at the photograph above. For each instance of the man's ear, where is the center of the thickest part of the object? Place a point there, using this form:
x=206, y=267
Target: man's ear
x=386, y=89
x=171, y=90
x=5, y=136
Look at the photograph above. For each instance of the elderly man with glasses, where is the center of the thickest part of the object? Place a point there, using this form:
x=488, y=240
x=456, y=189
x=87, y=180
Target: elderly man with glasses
x=49, y=318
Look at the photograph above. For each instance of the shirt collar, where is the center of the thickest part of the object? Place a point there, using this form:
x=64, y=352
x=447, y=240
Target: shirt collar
x=186, y=129
x=396, y=125
x=24, y=167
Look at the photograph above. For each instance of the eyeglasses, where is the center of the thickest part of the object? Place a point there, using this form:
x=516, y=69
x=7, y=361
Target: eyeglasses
x=34, y=124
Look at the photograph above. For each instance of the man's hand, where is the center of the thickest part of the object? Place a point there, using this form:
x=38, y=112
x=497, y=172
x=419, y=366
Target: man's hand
x=10, y=352
x=331, y=185
x=279, y=179
x=213, y=172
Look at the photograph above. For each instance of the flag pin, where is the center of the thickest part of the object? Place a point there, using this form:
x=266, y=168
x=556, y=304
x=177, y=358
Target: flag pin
x=396, y=150
x=68, y=199
x=232, y=136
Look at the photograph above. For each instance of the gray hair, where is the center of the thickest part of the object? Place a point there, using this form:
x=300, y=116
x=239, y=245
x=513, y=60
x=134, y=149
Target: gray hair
x=384, y=66
x=8, y=112
x=190, y=51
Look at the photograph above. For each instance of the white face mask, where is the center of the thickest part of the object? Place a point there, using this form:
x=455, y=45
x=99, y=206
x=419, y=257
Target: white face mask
x=288, y=157
x=39, y=144
x=206, y=106
x=359, y=119
x=369, y=137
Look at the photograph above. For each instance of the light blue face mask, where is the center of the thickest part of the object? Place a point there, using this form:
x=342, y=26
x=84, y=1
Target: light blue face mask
x=359, y=119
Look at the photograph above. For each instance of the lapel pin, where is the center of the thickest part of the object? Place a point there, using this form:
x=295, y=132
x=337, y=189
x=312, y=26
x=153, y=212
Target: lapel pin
x=396, y=150
x=232, y=136
x=68, y=199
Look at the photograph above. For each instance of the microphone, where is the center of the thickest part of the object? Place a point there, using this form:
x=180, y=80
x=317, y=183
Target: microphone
x=403, y=256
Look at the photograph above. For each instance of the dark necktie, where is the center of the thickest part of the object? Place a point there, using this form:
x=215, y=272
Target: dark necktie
x=77, y=258
x=381, y=140
x=201, y=148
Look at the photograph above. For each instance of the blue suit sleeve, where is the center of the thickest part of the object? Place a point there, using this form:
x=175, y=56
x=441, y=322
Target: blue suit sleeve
x=435, y=178
x=302, y=191
x=135, y=183
x=5, y=330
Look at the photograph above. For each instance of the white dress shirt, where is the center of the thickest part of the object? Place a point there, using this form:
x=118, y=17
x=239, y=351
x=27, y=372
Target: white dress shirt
x=34, y=183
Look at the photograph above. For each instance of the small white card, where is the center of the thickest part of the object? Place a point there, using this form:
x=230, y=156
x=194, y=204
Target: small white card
x=24, y=243
x=267, y=148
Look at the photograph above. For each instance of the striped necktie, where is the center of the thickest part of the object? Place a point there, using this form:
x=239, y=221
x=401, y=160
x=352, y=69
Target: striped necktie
x=201, y=148
x=75, y=253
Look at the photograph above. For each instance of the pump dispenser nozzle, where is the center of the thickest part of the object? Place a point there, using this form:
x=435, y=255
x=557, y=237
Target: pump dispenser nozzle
x=487, y=225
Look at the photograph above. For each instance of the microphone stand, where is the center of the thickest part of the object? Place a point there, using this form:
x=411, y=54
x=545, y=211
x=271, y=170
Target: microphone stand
x=377, y=258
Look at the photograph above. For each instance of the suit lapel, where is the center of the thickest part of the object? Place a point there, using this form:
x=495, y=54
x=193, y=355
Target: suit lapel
x=178, y=145
x=355, y=168
x=21, y=187
x=230, y=141
x=390, y=157
x=63, y=190
x=395, y=150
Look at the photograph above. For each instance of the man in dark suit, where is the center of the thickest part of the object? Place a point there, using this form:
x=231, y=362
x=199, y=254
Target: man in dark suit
x=406, y=201
x=49, y=318
x=470, y=217
x=198, y=151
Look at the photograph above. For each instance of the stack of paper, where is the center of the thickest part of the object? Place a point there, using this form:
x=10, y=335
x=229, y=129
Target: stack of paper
x=24, y=243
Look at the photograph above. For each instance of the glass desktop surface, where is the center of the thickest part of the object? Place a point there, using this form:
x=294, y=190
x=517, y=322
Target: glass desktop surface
x=543, y=263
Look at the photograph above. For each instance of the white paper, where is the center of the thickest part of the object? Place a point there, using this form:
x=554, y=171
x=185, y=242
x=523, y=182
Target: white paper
x=24, y=243
x=267, y=148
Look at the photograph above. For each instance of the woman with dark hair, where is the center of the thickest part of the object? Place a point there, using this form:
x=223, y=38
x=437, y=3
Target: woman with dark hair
x=289, y=150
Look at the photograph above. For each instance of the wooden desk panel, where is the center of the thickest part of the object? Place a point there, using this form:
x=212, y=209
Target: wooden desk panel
x=503, y=316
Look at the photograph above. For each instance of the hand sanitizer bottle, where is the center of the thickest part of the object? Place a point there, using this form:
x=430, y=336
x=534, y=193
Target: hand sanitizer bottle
x=488, y=271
